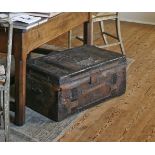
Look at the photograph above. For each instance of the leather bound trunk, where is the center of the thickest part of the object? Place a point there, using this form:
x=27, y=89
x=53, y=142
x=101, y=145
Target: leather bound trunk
x=62, y=83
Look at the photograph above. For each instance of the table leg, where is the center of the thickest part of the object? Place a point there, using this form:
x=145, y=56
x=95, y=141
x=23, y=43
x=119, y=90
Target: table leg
x=88, y=33
x=20, y=90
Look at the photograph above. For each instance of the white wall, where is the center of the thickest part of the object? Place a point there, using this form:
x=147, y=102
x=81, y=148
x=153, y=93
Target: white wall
x=139, y=17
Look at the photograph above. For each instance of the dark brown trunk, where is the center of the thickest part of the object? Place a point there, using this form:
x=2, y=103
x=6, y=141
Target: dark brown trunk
x=63, y=83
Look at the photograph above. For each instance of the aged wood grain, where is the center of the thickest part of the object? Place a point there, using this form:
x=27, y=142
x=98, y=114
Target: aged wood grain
x=56, y=26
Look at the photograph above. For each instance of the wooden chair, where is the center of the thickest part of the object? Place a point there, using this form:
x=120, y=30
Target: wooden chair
x=5, y=80
x=100, y=18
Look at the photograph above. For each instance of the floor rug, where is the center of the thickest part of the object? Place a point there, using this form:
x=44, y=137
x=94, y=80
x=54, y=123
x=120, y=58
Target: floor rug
x=38, y=128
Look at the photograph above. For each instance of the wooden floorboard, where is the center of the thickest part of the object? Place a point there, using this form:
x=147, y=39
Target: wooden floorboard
x=130, y=117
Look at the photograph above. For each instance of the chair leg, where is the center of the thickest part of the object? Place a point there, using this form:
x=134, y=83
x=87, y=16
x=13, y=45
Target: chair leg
x=70, y=39
x=6, y=115
x=1, y=109
x=118, y=31
x=91, y=33
x=101, y=23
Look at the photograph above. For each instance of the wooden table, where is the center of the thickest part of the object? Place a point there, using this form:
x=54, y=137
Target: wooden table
x=26, y=41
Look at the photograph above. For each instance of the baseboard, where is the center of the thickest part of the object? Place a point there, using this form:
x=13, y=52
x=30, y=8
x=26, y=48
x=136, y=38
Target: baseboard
x=137, y=21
